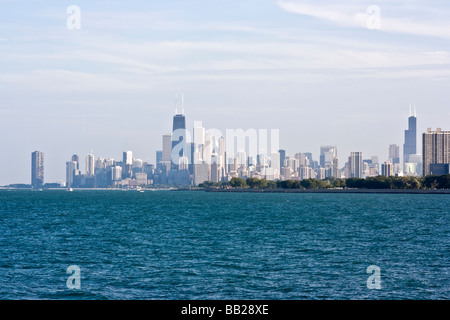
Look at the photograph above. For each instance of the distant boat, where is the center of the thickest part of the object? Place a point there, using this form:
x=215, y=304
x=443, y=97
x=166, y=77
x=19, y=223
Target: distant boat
x=69, y=189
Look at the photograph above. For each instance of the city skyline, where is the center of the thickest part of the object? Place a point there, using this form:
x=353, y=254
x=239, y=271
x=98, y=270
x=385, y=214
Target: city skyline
x=209, y=158
x=318, y=73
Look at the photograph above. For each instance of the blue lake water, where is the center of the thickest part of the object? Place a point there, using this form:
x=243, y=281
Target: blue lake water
x=199, y=245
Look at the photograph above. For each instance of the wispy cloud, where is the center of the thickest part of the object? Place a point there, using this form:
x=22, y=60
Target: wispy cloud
x=395, y=19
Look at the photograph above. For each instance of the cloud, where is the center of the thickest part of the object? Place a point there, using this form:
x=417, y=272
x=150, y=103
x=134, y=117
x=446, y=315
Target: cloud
x=394, y=19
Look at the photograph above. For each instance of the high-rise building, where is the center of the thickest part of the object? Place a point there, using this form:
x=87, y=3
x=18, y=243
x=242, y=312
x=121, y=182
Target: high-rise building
x=166, y=147
x=137, y=163
x=302, y=161
x=179, y=138
x=355, y=164
x=141, y=179
x=76, y=159
x=387, y=169
x=71, y=166
x=100, y=163
x=90, y=165
x=293, y=163
x=394, y=154
x=327, y=153
x=127, y=157
x=436, y=149
x=109, y=162
x=208, y=147
x=216, y=174
x=202, y=173
x=275, y=164
x=306, y=173
x=116, y=173
x=410, y=145
x=335, y=171
x=282, y=157
x=158, y=157
x=37, y=169
x=221, y=157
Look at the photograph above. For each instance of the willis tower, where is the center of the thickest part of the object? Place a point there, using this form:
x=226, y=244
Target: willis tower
x=410, y=145
x=178, y=136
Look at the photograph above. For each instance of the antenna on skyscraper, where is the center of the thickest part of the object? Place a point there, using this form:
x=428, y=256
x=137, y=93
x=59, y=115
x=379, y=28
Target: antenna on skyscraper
x=415, y=114
x=176, y=103
x=182, y=103
x=410, y=110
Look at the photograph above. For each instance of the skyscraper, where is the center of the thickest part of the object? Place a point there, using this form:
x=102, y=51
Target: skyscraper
x=127, y=157
x=199, y=141
x=37, y=169
x=387, y=169
x=335, y=172
x=410, y=145
x=166, y=147
x=178, y=137
x=355, y=164
x=436, y=149
x=327, y=153
x=158, y=157
x=71, y=166
x=282, y=157
x=275, y=164
x=394, y=154
x=90, y=165
x=76, y=159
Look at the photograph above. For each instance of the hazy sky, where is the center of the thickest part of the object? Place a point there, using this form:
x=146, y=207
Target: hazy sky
x=322, y=74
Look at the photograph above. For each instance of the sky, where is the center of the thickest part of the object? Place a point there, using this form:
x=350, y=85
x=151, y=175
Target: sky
x=336, y=73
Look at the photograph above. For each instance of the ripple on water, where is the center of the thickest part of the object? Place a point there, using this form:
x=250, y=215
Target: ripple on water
x=196, y=245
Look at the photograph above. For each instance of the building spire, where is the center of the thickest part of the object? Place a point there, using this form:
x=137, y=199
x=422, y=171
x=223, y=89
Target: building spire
x=415, y=113
x=182, y=103
x=176, y=103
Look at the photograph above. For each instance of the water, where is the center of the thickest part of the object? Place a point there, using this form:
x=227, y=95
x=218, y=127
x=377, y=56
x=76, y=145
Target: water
x=198, y=245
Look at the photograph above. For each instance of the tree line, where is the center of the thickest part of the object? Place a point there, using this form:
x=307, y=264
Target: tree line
x=378, y=182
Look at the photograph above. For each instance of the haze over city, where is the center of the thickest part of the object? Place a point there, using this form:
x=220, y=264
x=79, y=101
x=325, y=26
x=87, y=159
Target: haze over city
x=317, y=73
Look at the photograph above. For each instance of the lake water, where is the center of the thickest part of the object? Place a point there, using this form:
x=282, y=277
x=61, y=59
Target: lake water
x=198, y=245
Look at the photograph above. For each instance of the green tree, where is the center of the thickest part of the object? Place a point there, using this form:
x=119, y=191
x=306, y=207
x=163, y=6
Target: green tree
x=431, y=182
x=252, y=182
x=355, y=183
x=238, y=183
x=272, y=184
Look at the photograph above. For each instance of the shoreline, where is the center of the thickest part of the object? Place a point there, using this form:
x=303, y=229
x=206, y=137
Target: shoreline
x=250, y=190
x=378, y=191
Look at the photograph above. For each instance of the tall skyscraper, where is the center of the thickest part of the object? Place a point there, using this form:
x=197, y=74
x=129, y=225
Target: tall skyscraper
x=436, y=150
x=37, y=169
x=90, y=165
x=355, y=164
x=71, y=166
x=116, y=173
x=199, y=141
x=394, y=154
x=335, y=171
x=327, y=153
x=179, y=135
x=166, y=147
x=275, y=164
x=202, y=173
x=76, y=159
x=387, y=169
x=158, y=157
x=410, y=145
x=282, y=157
x=127, y=157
